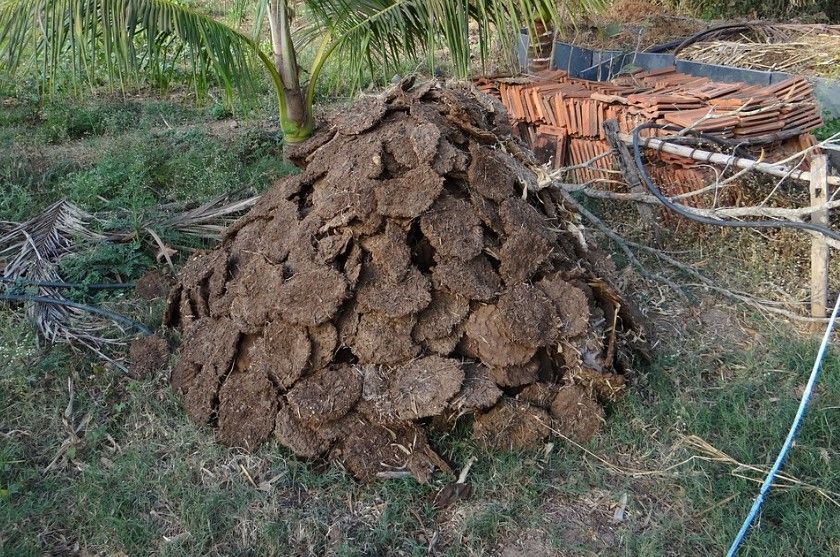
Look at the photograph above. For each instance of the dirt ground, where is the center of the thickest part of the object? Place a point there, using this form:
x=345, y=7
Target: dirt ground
x=633, y=25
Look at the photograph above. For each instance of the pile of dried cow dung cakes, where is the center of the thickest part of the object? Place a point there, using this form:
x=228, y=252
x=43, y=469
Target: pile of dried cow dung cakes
x=400, y=277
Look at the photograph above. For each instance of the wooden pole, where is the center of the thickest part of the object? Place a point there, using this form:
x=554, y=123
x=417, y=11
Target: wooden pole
x=819, y=248
x=718, y=158
x=628, y=168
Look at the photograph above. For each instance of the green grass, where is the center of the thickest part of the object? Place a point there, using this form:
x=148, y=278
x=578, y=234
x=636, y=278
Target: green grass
x=153, y=154
x=125, y=472
x=830, y=127
x=141, y=473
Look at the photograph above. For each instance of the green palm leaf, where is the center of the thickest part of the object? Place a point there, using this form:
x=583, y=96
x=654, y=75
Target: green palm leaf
x=123, y=39
x=381, y=32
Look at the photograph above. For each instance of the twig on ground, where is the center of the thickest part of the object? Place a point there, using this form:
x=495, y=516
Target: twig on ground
x=622, y=243
x=625, y=245
x=714, y=454
x=394, y=474
x=633, y=472
x=462, y=477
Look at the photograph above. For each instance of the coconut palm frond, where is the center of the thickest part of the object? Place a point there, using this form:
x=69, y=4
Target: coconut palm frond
x=59, y=320
x=121, y=39
x=381, y=32
x=208, y=220
x=32, y=248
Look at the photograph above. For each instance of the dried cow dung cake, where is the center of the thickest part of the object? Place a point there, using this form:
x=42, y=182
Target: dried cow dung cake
x=400, y=279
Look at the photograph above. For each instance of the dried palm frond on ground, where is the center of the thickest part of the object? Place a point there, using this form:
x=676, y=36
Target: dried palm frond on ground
x=30, y=253
x=209, y=219
x=30, y=249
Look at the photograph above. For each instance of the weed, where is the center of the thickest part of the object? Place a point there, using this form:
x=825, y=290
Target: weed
x=107, y=262
x=830, y=127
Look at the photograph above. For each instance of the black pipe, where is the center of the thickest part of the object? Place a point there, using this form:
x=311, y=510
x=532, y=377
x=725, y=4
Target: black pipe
x=720, y=31
x=664, y=47
x=113, y=316
x=682, y=211
x=68, y=285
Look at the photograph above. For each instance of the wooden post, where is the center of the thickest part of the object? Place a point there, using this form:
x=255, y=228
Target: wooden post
x=819, y=248
x=627, y=165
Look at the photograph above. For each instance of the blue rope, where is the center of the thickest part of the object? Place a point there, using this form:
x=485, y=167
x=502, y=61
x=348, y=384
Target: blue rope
x=803, y=405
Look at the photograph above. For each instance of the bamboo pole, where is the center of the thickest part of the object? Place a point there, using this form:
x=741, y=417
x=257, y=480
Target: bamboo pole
x=719, y=158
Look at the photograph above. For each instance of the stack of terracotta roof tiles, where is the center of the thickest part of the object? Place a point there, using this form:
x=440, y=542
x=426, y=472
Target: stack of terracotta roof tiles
x=571, y=111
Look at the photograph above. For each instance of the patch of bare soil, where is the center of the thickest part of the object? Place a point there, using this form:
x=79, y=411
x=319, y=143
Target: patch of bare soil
x=533, y=543
x=582, y=525
x=399, y=281
x=146, y=356
x=153, y=285
x=631, y=25
x=586, y=523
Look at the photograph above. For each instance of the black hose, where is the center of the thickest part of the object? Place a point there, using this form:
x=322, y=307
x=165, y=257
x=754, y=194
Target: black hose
x=68, y=285
x=682, y=211
x=113, y=316
x=664, y=47
x=720, y=31
x=697, y=138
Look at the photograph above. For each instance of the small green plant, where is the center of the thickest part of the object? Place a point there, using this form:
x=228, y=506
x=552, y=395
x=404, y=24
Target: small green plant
x=830, y=127
x=219, y=111
x=54, y=123
x=107, y=262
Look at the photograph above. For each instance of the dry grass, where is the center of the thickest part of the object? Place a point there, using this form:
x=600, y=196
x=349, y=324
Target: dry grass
x=817, y=54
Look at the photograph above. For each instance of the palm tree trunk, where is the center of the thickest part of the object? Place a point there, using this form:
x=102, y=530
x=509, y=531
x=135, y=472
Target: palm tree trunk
x=298, y=120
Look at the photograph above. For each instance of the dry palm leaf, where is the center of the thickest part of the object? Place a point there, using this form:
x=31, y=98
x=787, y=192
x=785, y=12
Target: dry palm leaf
x=32, y=248
x=30, y=253
x=209, y=219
